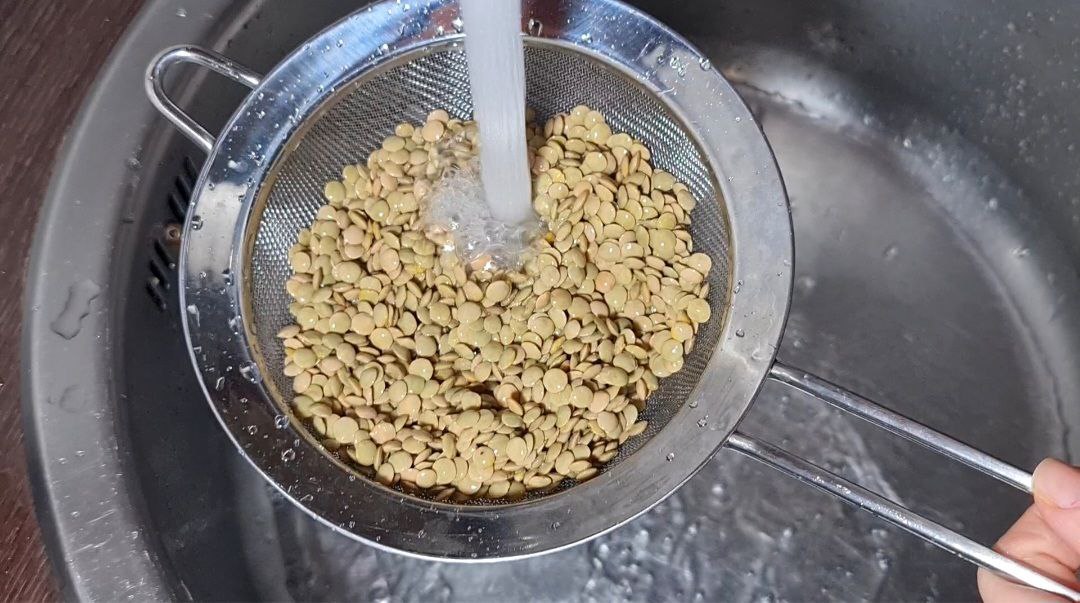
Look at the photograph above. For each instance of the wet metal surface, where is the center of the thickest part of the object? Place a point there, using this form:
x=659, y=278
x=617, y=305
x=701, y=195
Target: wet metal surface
x=738, y=531
x=936, y=203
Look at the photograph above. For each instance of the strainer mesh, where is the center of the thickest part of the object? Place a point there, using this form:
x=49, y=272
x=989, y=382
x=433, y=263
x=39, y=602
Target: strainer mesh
x=356, y=121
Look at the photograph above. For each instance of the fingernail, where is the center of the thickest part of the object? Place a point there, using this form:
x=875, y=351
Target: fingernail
x=1057, y=483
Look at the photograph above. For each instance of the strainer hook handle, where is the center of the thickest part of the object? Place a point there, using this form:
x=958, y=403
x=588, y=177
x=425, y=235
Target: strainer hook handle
x=887, y=509
x=155, y=89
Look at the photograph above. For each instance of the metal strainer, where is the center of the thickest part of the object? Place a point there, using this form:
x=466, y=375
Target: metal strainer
x=332, y=101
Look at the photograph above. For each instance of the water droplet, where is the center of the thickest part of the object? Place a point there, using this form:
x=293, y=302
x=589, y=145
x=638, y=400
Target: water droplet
x=740, y=333
x=705, y=63
x=252, y=429
x=906, y=142
x=678, y=65
x=458, y=24
x=193, y=312
x=281, y=421
x=703, y=421
x=385, y=48
x=536, y=27
x=288, y=455
x=670, y=456
x=738, y=286
x=181, y=12
x=738, y=119
x=196, y=222
x=219, y=384
x=77, y=307
x=693, y=404
x=251, y=372
x=890, y=252
x=586, y=37
x=992, y=204
x=1021, y=252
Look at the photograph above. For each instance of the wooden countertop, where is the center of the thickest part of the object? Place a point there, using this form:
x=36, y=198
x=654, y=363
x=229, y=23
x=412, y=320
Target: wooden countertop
x=50, y=53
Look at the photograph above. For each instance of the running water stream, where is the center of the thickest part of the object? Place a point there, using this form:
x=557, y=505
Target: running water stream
x=496, y=59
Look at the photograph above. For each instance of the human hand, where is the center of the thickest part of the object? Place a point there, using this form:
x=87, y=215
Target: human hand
x=1046, y=537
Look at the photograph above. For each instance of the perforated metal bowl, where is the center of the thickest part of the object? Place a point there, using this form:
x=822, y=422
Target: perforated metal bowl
x=357, y=119
x=330, y=103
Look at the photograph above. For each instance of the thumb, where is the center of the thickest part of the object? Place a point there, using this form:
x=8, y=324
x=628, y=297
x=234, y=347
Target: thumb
x=1056, y=487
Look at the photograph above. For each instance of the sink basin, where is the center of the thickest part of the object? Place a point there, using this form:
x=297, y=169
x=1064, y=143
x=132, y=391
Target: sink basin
x=928, y=152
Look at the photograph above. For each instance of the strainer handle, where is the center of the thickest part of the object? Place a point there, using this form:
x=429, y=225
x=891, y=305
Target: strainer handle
x=155, y=89
x=889, y=510
x=900, y=425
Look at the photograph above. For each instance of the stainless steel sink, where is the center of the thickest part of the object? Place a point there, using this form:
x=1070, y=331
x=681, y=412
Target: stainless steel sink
x=929, y=153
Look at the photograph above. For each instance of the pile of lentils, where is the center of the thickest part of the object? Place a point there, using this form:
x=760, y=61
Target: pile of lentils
x=467, y=381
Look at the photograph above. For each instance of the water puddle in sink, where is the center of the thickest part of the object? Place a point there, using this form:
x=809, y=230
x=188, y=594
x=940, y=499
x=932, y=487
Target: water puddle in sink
x=69, y=322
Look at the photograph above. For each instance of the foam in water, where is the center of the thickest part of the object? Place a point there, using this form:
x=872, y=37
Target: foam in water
x=456, y=205
x=496, y=59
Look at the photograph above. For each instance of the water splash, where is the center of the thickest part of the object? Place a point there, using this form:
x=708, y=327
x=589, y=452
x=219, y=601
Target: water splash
x=457, y=205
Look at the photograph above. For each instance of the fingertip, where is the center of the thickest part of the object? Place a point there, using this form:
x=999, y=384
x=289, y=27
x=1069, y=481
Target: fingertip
x=1056, y=483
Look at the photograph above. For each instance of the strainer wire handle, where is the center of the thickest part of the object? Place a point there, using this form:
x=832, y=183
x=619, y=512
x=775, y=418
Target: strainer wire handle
x=897, y=514
x=900, y=425
x=155, y=89
x=889, y=510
